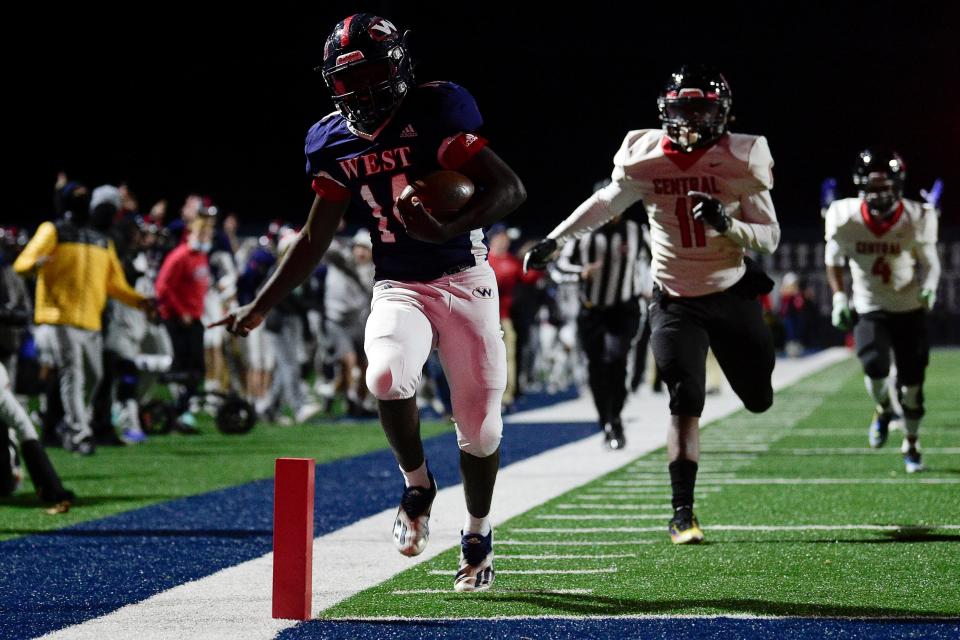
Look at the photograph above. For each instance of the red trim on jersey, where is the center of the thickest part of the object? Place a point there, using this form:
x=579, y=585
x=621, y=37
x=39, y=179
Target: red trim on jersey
x=345, y=34
x=457, y=150
x=683, y=160
x=329, y=189
x=877, y=226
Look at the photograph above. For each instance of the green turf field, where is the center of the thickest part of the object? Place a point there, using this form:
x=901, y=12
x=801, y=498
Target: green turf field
x=801, y=518
x=173, y=466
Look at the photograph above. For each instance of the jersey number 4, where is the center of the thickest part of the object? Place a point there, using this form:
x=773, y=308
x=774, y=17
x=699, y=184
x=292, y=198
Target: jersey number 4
x=398, y=184
x=881, y=268
x=684, y=220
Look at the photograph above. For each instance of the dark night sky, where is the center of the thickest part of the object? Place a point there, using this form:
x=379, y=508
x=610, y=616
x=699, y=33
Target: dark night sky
x=173, y=100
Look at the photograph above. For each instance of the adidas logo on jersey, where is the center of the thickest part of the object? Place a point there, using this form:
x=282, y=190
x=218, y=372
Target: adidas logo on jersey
x=408, y=132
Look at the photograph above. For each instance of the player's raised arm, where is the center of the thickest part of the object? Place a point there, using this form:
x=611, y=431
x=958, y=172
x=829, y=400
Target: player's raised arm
x=298, y=263
x=594, y=212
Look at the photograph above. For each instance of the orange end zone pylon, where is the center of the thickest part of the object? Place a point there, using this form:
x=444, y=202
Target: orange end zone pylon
x=293, y=538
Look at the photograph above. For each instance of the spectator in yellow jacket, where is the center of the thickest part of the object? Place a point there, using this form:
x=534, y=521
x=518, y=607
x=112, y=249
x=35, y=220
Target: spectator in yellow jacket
x=77, y=269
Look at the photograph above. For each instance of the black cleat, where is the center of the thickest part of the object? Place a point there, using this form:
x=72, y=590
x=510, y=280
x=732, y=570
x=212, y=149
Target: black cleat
x=613, y=437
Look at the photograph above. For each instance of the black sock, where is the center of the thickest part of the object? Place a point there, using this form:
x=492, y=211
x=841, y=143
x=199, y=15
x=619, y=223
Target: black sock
x=683, y=476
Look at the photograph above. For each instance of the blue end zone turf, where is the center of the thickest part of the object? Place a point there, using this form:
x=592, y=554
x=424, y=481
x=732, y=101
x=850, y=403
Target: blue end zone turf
x=607, y=628
x=70, y=575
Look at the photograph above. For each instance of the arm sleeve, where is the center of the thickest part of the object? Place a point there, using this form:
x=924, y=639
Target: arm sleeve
x=757, y=229
x=608, y=202
x=927, y=250
x=43, y=243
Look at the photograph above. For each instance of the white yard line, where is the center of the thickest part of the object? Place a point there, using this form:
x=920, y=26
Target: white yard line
x=606, y=516
x=539, y=592
x=613, y=507
x=742, y=527
x=533, y=572
x=570, y=543
x=235, y=602
x=563, y=556
x=863, y=451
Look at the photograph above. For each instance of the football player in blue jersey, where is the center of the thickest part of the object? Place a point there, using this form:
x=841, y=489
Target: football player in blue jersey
x=434, y=288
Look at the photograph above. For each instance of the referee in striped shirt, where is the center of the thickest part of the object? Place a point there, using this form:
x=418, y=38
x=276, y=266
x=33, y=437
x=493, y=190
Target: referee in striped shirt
x=609, y=263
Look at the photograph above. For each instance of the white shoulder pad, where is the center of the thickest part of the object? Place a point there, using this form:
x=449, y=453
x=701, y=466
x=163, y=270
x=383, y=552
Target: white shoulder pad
x=759, y=160
x=638, y=146
x=838, y=214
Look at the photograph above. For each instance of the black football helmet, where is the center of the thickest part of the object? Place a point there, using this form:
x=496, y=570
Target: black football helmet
x=367, y=68
x=879, y=175
x=695, y=106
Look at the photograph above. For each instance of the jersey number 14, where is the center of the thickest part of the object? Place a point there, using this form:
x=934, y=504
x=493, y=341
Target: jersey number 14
x=397, y=184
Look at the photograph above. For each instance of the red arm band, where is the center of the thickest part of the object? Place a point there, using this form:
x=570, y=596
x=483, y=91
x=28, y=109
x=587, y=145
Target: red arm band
x=329, y=189
x=457, y=150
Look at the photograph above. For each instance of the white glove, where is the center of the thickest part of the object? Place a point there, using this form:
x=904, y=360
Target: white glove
x=841, y=316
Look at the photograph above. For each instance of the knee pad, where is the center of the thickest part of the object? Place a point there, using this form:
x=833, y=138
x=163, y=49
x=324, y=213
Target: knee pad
x=486, y=439
x=911, y=399
x=387, y=379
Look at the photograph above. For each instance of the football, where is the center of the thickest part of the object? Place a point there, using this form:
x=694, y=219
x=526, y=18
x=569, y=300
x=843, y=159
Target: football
x=443, y=193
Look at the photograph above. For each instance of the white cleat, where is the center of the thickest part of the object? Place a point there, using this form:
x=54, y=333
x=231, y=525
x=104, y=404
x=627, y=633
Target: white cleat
x=911, y=458
x=411, y=529
x=476, y=563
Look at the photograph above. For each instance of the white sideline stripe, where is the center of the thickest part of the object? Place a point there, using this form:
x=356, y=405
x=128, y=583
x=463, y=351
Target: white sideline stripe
x=744, y=527
x=618, y=507
x=533, y=572
x=235, y=602
x=417, y=592
x=604, y=516
x=570, y=543
x=564, y=556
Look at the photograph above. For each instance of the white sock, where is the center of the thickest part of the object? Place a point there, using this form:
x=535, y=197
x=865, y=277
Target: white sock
x=418, y=477
x=877, y=388
x=476, y=525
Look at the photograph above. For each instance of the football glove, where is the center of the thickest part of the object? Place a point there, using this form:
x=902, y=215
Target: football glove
x=841, y=316
x=929, y=298
x=540, y=255
x=709, y=209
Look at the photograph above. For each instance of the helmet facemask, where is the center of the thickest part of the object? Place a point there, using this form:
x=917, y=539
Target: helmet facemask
x=694, y=121
x=881, y=194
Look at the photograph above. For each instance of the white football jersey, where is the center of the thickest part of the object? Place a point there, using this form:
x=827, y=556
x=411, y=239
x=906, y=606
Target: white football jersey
x=690, y=258
x=882, y=255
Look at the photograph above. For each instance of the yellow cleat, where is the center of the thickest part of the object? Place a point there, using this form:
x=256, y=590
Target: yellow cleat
x=684, y=527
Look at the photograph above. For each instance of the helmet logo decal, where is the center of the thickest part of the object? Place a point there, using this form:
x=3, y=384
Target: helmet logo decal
x=382, y=29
